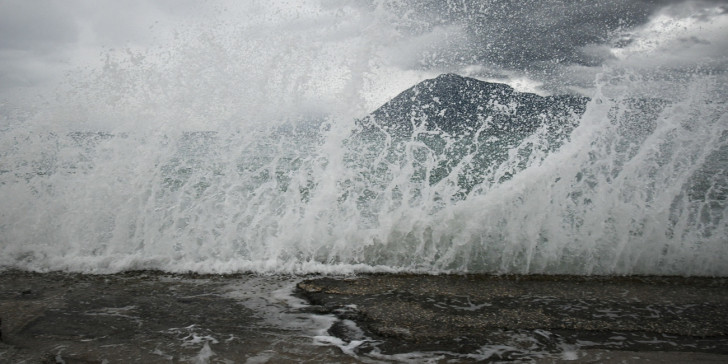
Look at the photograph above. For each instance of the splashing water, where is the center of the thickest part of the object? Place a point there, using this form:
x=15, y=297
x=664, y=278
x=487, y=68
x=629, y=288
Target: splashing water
x=237, y=148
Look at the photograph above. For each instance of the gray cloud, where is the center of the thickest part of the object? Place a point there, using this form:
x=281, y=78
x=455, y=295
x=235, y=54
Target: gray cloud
x=35, y=38
x=556, y=42
x=527, y=34
x=41, y=40
x=543, y=39
x=36, y=26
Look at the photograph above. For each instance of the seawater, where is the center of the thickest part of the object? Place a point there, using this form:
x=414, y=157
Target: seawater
x=194, y=158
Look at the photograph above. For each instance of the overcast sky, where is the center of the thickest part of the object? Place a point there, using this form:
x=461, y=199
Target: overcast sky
x=378, y=46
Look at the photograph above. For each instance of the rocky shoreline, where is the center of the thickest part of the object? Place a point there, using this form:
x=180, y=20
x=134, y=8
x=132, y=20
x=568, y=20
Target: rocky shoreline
x=528, y=314
x=155, y=317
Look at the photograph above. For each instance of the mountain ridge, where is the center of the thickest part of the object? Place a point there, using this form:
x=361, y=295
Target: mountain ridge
x=456, y=104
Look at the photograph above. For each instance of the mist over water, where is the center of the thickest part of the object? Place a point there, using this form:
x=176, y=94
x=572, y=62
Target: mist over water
x=234, y=146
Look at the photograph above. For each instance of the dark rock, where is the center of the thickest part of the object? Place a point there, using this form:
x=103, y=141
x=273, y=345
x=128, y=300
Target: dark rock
x=146, y=317
x=461, y=312
x=459, y=105
x=453, y=123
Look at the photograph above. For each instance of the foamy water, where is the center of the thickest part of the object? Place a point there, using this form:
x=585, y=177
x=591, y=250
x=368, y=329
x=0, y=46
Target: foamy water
x=231, y=148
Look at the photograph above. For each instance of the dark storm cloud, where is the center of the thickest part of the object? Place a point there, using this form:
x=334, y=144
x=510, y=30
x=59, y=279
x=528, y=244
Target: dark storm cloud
x=539, y=38
x=529, y=34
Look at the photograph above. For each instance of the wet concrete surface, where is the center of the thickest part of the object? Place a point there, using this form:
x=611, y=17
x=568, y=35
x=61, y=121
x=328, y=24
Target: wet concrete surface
x=531, y=317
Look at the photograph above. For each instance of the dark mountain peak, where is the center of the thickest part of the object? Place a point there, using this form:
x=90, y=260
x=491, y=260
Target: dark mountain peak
x=454, y=104
x=457, y=80
x=449, y=76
